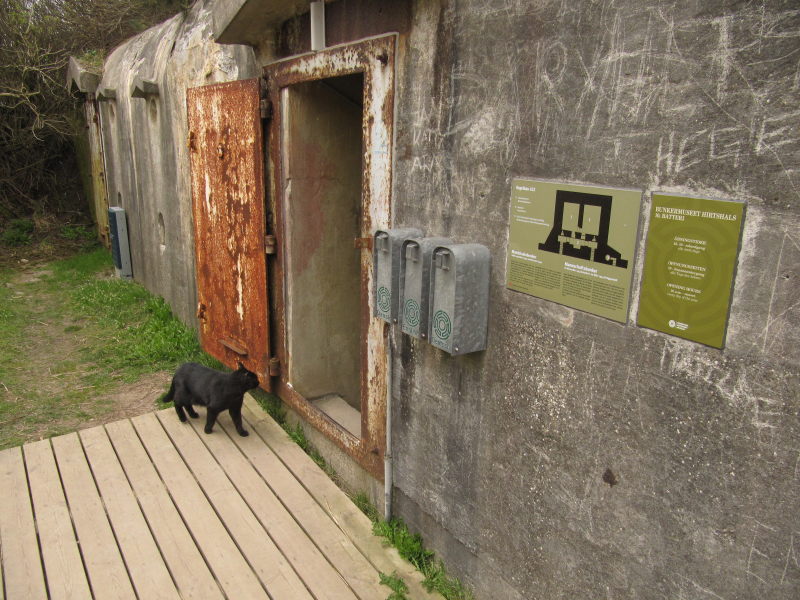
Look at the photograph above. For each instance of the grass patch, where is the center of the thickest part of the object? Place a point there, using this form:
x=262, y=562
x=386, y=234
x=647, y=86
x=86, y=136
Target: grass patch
x=70, y=335
x=135, y=332
x=411, y=547
x=394, y=583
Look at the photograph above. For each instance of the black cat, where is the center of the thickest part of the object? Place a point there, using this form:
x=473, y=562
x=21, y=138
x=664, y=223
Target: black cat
x=217, y=391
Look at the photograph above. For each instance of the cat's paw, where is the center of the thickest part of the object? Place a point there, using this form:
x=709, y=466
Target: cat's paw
x=207, y=430
x=194, y=415
x=243, y=432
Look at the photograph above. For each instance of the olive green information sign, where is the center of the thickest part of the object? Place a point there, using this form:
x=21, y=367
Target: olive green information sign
x=574, y=244
x=690, y=260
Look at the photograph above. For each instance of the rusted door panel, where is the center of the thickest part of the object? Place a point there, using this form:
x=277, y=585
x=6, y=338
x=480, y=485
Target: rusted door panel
x=227, y=170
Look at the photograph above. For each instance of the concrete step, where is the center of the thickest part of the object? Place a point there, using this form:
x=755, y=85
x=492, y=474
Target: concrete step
x=340, y=411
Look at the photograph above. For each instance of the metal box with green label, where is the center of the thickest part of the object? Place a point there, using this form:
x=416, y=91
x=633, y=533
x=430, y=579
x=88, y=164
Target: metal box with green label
x=386, y=248
x=459, y=299
x=415, y=278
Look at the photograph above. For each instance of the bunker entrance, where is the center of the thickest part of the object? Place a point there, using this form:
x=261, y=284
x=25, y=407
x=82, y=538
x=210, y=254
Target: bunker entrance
x=322, y=153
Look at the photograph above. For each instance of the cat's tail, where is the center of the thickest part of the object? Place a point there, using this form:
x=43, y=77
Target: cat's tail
x=170, y=394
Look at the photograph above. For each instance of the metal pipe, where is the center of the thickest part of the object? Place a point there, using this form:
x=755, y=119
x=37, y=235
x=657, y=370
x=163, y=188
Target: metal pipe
x=387, y=454
x=317, y=26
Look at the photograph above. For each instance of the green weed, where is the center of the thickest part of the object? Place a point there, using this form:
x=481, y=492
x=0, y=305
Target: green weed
x=18, y=232
x=411, y=547
x=362, y=502
x=394, y=583
x=76, y=232
x=23, y=225
x=298, y=435
x=408, y=544
x=271, y=404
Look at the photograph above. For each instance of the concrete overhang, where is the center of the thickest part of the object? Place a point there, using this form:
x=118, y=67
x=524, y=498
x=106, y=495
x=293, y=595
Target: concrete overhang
x=142, y=88
x=250, y=21
x=80, y=78
x=107, y=94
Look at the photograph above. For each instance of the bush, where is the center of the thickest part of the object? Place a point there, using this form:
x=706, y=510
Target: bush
x=39, y=118
x=18, y=232
x=77, y=232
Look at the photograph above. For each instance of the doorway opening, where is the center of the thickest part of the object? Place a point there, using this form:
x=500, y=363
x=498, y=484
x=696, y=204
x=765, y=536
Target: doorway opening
x=323, y=152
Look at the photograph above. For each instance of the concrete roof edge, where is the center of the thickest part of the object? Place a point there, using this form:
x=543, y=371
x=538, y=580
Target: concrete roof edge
x=249, y=21
x=80, y=78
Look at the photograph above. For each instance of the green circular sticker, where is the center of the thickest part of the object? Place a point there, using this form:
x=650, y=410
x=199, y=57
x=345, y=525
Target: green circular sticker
x=384, y=299
x=411, y=313
x=441, y=325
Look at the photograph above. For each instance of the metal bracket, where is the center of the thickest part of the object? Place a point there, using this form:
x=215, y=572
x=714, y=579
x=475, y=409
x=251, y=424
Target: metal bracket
x=234, y=346
x=265, y=104
x=274, y=367
x=363, y=243
x=270, y=244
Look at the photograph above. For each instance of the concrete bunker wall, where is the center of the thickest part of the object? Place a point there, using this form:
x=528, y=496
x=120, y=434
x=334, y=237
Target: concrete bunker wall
x=144, y=132
x=500, y=457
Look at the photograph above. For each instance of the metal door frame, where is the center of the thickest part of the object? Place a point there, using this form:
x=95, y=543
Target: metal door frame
x=374, y=58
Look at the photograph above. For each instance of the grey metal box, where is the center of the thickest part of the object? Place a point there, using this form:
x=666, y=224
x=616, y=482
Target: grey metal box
x=120, y=248
x=459, y=305
x=415, y=279
x=386, y=248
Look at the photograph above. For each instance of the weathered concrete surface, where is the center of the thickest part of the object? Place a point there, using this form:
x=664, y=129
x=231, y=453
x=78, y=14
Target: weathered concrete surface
x=145, y=144
x=501, y=456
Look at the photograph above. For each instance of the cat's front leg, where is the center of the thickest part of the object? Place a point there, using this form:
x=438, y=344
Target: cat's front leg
x=181, y=414
x=211, y=418
x=236, y=416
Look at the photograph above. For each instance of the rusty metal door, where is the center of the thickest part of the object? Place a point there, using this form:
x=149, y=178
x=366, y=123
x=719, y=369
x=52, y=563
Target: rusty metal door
x=227, y=174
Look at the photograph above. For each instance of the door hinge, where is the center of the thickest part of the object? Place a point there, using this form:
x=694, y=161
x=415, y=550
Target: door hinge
x=266, y=109
x=274, y=367
x=265, y=104
x=363, y=243
x=270, y=244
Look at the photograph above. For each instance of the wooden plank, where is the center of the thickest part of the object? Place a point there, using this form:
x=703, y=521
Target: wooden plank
x=223, y=557
x=66, y=577
x=337, y=547
x=352, y=522
x=145, y=565
x=269, y=564
x=22, y=569
x=104, y=565
x=183, y=559
x=311, y=565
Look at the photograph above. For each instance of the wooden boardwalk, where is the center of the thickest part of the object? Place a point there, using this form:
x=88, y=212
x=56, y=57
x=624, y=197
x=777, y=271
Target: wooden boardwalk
x=152, y=508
